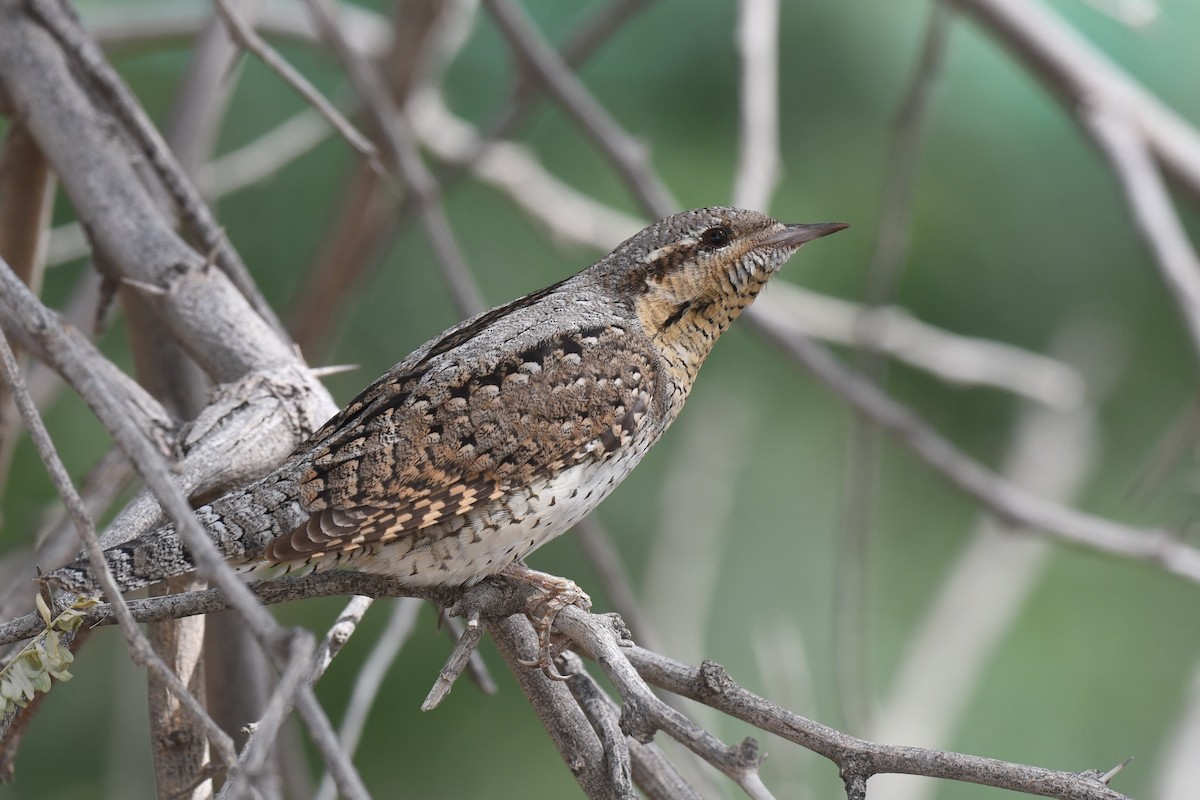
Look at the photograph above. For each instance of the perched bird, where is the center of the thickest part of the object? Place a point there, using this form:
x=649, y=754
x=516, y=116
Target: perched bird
x=501, y=433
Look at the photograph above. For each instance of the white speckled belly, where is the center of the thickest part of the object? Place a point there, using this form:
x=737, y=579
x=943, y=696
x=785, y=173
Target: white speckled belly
x=468, y=549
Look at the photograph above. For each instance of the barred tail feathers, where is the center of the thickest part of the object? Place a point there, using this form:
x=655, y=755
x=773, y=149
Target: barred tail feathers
x=240, y=523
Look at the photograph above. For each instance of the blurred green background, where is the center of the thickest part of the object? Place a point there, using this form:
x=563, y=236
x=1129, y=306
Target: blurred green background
x=1019, y=233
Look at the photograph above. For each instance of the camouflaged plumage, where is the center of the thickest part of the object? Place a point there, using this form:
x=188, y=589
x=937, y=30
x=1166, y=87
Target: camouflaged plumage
x=504, y=431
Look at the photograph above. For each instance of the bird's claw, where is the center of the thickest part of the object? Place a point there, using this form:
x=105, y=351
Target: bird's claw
x=552, y=596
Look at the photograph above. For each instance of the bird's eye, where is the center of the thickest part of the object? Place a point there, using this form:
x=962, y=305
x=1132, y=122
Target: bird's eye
x=716, y=237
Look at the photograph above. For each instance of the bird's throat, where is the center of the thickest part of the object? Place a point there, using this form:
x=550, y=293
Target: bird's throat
x=685, y=331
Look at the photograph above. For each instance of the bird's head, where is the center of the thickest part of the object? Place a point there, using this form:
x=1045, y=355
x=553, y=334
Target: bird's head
x=691, y=274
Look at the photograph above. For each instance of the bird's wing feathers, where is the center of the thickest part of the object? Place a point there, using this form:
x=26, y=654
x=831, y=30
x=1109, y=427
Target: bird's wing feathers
x=422, y=452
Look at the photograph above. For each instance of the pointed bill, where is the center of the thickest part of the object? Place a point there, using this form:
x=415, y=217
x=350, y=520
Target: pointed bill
x=796, y=235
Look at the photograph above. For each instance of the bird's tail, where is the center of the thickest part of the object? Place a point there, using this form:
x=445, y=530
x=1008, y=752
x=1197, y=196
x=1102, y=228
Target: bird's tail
x=156, y=555
x=240, y=524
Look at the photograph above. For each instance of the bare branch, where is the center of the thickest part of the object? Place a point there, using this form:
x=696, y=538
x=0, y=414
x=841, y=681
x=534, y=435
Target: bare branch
x=557, y=710
x=477, y=669
x=893, y=331
x=250, y=40
x=653, y=773
x=370, y=680
x=340, y=632
x=1153, y=213
x=139, y=648
x=296, y=670
x=1010, y=503
x=604, y=719
x=628, y=156
x=1052, y=454
x=858, y=759
x=644, y=713
x=195, y=213
x=401, y=151
x=459, y=657
x=1078, y=74
x=758, y=128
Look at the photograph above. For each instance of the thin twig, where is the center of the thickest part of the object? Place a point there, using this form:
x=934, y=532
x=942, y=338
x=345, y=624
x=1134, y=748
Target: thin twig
x=626, y=154
x=340, y=632
x=250, y=40
x=459, y=657
x=369, y=681
x=556, y=709
x=1152, y=210
x=604, y=719
x=260, y=743
x=759, y=161
x=477, y=668
x=851, y=598
x=1018, y=507
x=402, y=156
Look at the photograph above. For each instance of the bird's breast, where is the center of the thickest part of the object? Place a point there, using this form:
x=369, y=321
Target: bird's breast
x=468, y=548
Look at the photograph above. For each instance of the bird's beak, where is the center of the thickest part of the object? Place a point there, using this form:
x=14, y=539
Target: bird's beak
x=796, y=235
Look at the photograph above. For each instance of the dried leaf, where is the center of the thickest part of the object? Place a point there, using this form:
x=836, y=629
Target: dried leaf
x=43, y=609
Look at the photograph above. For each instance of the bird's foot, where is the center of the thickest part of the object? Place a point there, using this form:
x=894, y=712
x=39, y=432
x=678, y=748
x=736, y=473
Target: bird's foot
x=552, y=596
